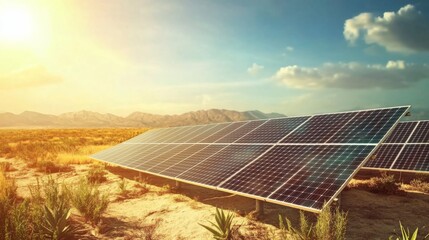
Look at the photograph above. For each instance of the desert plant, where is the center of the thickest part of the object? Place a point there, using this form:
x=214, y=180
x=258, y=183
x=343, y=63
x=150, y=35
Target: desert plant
x=88, y=200
x=419, y=185
x=96, y=174
x=329, y=226
x=405, y=234
x=6, y=166
x=7, y=187
x=385, y=184
x=56, y=223
x=16, y=222
x=287, y=231
x=122, y=184
x=222, y=227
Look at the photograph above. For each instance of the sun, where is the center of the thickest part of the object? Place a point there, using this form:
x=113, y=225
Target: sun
x=16, y=24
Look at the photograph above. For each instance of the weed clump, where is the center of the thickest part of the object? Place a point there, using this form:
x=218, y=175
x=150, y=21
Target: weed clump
x=96, y=174
x=329, y=225
x=419, y=185
x=385, y=184
x=88, y=200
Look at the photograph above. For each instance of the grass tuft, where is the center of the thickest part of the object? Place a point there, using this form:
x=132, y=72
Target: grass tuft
x=88, y=200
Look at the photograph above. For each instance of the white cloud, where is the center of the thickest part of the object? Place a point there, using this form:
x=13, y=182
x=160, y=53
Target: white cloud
x=395, y=64
x=255, y=69
x=31, y=76
x=289, y=49
x=404, y=31
x=393, y=75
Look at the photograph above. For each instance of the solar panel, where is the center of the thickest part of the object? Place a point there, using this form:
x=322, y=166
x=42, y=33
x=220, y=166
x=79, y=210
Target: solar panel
x=216, y=168
x=401, y=132
x=413, y=156
x=301, y=162
x=305, y=175
x=421, y=134
x=163, y=165
x=241, y=131
x=184, y=164
x=384, y=156
x=406, y=149
x=273, y=130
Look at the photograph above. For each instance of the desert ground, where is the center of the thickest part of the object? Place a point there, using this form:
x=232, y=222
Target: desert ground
x=142, y=206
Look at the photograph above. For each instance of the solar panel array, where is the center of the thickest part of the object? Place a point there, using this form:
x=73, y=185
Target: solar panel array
x=406, y=149
x=302, y=162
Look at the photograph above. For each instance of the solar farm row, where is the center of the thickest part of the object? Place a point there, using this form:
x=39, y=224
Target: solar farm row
x=366, y=127
x=406, y=149
x=303, y=162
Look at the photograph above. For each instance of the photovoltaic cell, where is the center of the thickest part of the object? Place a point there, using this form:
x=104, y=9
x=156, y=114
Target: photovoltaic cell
x=421, y=134
x=192, y=160
x=161, y=135
x=413, y=157
x=401, y=132
x=319, y=129
x=273, y=130
x=368, y=126
x=221, y=133
x=296, y=161
x=169, y=150
x=384, y=156
x=319, y=180
x=145, y=136
x=239, y=132
x=272, y=169
x=207, y=133
x=216, y=168
x=141, y=154
x=404, y=150
x=181, y=133
x=311, y=174
x=170, y=161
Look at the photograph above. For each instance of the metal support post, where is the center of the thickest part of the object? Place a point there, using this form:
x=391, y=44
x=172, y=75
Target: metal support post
x=178, y=185
x=259, y=207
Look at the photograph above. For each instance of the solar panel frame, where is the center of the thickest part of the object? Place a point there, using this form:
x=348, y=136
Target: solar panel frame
x=405, y=110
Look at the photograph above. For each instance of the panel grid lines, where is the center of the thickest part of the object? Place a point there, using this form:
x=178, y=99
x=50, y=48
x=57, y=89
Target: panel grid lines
x=295, y=161
x=404, y=150
x=306, y=120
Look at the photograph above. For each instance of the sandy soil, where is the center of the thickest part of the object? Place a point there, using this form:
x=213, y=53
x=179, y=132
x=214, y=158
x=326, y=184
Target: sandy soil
x=175, y=215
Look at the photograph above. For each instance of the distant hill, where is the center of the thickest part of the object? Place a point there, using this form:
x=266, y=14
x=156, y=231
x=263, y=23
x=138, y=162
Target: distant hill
x=87, y=119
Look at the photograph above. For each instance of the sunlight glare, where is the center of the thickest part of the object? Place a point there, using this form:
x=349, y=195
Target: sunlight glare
x=16, y=24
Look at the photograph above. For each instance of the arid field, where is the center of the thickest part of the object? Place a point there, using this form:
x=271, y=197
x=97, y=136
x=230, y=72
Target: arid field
x=48, y=172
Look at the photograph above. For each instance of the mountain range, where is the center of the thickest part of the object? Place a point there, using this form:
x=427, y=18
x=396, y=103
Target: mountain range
x=88, y=119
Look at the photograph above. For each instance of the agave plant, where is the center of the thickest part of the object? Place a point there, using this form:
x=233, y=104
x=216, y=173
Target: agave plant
x=56, y=224
x=405, y=234
x=222, y=227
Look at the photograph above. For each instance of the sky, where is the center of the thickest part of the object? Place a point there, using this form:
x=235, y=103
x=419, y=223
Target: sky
x=170, y=57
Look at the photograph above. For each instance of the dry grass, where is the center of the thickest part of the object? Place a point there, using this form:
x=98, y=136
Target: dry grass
x=385, y=184
x=61, y=146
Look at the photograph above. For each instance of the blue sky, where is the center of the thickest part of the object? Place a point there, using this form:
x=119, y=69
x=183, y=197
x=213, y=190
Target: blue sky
x=169, y=57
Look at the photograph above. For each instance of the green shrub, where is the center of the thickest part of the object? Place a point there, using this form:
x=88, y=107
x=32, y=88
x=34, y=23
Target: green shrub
x=7, y=187
x=329, y=226
x=405, y=234
x=287, y=231
x=88, y=200
x=221, y=228
x=16, y=221
x=56, y=223
x=386, y=184
x=96, y=174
